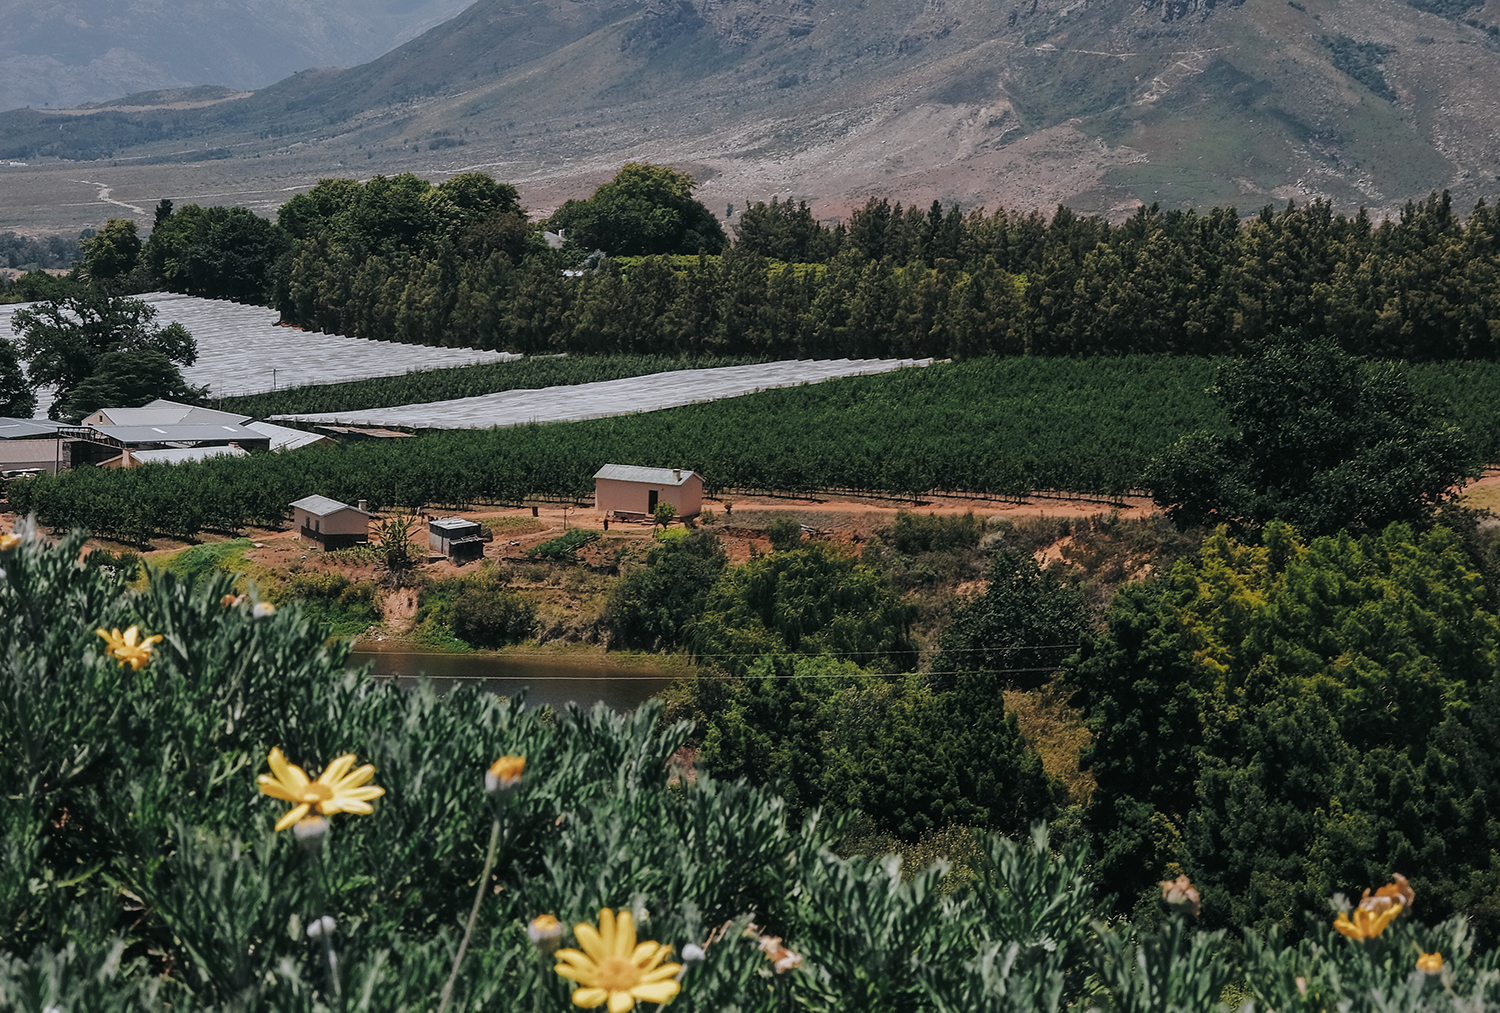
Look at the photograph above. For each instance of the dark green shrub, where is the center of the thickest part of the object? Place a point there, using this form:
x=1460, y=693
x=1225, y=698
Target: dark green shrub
x=488, y=617
x=651, y=607
x=785, y=532
x=564, y=546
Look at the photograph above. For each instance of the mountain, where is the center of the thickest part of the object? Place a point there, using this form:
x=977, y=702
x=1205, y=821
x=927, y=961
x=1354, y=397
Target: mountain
x=1102, y=104
x=63, y=53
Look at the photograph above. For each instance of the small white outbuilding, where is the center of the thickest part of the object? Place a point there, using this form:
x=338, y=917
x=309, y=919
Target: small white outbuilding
x=629, y=489
x=333, y=525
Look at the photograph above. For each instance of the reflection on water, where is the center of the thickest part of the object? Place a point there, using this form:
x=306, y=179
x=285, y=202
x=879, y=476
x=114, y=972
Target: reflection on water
x=546, y=681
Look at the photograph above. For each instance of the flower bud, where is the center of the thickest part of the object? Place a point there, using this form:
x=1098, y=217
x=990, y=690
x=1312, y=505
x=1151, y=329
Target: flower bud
x=311, y=832
x=1430, y=963
x=1179, y=893
x=504, y=775
x=263, y=609
x=781, y=958
x=692, y=953
x=322, y=927
x=545, y=932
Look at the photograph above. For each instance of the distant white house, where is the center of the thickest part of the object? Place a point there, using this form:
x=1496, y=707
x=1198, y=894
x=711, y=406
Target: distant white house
x=628, y=489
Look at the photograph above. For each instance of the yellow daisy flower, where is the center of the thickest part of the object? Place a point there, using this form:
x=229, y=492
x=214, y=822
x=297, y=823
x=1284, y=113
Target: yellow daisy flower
x=1367, y=923
x=9, y=541
x=1430, y=963
x=124, y=646
x=612, y=969
x=336, y=790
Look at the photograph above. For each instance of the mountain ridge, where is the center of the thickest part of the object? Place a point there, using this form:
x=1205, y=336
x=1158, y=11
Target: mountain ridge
x=64, y=53
x=1101, y=104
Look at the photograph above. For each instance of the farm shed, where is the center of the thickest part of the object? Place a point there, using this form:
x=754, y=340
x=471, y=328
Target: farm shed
x=162, y=412
x=456, y=538
x=628, y=489
x=331, y=524
x=33, y=445
x=100, y=442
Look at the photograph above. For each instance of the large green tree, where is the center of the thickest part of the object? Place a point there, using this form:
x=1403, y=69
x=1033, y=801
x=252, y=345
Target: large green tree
x=17, y=398
x=911, y=758
x=1318, y=438
x=127, y=380
x=652, y=606
x=1015, y=634
x=66, y=341
x=1290, y=719
x=810, y=600
x=645, y=209
x=110, y=254
x=217, y=252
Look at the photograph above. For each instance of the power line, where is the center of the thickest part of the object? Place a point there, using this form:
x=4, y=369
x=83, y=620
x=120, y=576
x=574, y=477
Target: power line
x=698, y=676
x=744, y=654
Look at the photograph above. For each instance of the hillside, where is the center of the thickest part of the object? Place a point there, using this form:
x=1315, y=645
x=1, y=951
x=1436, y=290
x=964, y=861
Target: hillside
x=1098, y=103
x=62, y=53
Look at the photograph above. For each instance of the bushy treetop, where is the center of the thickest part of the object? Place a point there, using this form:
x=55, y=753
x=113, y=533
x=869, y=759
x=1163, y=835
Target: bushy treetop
x=645, y=209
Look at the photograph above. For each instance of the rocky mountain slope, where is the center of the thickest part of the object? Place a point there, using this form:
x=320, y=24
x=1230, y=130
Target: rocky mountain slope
x=1102, y=104
x=62, y=53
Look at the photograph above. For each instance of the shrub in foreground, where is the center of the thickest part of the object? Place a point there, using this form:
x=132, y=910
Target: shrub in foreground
x=154, y=742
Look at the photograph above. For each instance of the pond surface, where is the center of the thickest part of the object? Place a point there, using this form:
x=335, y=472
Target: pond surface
x=547, y=680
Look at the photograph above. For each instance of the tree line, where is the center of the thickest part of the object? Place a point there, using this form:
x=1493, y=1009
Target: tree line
x=649, y=270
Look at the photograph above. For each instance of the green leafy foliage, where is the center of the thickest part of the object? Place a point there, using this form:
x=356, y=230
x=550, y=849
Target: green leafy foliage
x=17, y=398
x=110, y=254
x=891, y=748
x=31, y=253
x=1016, y=634
x=1363, y=61
x=663, y=514
x=785, y=533
x=1279, y=719
x=565, y=546
x=652, y=606
x=804, y=601
x=216, y=252
x=70, y=340
x=487, y=615
x=1022, y=424
x=331, y=601
x=128, y=380
x=146, y=875
x=645, y=209
x=398, y=259
x=784, y=232
x=1317, y=438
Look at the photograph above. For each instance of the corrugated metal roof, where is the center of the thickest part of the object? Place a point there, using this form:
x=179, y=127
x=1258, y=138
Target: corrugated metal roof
x=23, y=429
x=177, y=433
x=650, y=476
x=162, y=412
x=287, y=438
x=322, y=506
x=452, y=524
